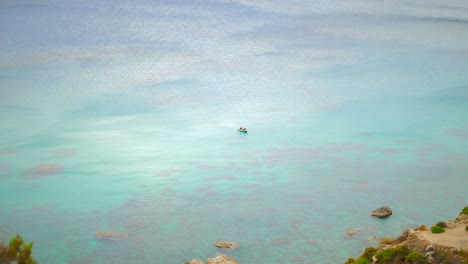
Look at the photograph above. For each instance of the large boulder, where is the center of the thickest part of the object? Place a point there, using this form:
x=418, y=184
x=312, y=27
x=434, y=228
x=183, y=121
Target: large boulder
x=221, y=259
x=226, y=244
x=382, y=212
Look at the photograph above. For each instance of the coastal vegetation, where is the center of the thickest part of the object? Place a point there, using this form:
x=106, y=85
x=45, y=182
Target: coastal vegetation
x=399, y=254
x=419, y=246
x=464, y=211
x=422, y=228
x=437, y=229
x=17, y=252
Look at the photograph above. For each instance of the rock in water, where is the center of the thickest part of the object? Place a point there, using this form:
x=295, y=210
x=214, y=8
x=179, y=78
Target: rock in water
x=227, y=244
x=353, y=231
x=42, y=171
x=280, y=241
x=194, y=261
x=221, y=259
x=350, y=233
x=382, y=212
x=110, y=235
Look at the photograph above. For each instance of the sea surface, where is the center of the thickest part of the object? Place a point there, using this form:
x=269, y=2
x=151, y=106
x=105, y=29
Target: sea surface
x=176, y=181
x=122, y=116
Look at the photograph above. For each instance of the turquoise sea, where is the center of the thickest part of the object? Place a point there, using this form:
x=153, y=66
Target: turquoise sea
x=123, y=116
x=176, y=183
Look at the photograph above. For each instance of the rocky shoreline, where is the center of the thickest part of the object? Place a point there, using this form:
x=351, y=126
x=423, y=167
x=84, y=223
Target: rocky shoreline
x=445, y=242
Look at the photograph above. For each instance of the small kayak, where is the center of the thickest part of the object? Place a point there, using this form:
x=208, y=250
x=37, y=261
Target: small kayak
x=242, y=130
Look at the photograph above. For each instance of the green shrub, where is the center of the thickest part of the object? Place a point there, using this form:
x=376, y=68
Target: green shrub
x=441, y=224
x=369, y=252
x=18, y=251
x=365, y=258
x=358, y=261
x=362, y=261
x=415, y=258
x=437, y=229
x=465, y=210
x=385, y=256
x=385, y=241
x=397, y=255
x=466, y=228
x=393, y=255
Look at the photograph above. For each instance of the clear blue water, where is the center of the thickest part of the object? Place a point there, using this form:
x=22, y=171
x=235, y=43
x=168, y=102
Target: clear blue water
x=176, y=184
x=123, y=115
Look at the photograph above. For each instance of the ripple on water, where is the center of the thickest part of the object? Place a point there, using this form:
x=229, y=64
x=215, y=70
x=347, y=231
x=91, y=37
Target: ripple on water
x=63, y=153
x=168, y=173
x=204, y=188
x=221, y=177
x=280, y=241
x=4, y=170
x=7, y=151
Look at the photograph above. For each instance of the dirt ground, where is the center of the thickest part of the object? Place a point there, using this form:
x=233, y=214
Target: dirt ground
x=456, y=237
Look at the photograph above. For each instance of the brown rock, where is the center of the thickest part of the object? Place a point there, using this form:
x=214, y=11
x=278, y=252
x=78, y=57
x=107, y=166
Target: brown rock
x=227, y=244
x=382, y=212
x=221, y=259
x=462, y=219
x=451, y=224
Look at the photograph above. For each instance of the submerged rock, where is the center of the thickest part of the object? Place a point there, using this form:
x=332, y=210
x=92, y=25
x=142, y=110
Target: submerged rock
x=382, y=212
x=221, y=259
x=43, y=170
x=280, y=241
x=194, y=261
x=110, y=235
x=350, y=233
x=353, y=231
x=227, y=244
